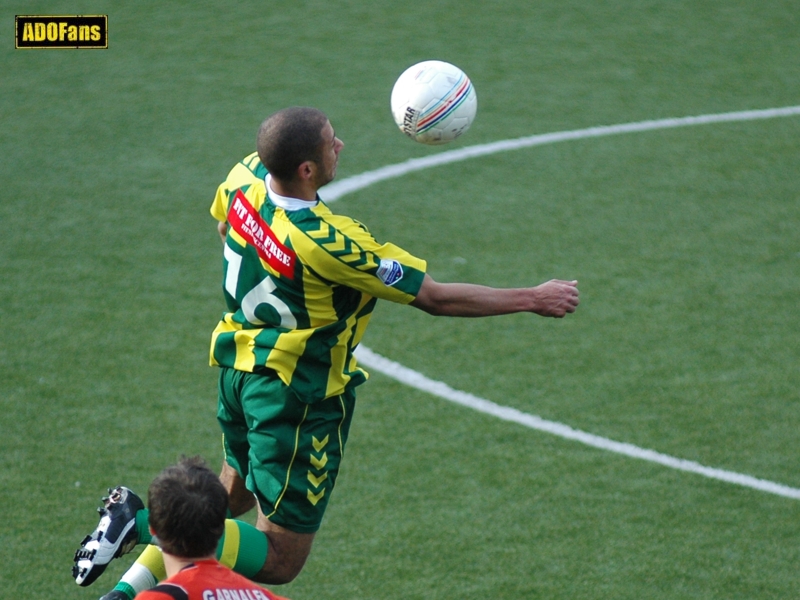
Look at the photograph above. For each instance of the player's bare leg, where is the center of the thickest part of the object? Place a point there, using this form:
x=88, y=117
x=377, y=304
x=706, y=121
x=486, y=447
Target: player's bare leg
x=240, y=499
x=288, y=550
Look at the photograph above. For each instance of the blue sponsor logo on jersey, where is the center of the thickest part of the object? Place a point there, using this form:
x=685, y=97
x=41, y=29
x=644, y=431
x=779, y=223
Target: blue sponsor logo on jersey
x=390, y=271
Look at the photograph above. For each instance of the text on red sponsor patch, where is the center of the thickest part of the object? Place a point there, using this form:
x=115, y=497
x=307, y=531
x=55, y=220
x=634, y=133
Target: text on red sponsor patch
x=246, y=221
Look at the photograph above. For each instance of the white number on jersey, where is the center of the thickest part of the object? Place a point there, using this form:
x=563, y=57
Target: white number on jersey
x=261, y=294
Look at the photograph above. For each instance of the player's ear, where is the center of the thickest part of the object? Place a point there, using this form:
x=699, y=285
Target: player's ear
x=306, y=170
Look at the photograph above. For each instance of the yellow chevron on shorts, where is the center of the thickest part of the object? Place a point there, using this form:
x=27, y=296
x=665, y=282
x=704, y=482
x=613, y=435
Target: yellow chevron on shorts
x=319, y=463
x=317, y=481
x=318, y=446
x=314, y=498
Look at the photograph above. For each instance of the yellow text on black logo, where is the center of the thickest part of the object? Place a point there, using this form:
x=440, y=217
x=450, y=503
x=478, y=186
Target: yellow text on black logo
x=69, y=31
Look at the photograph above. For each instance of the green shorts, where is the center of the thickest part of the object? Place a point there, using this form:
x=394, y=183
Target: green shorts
x=287, y=451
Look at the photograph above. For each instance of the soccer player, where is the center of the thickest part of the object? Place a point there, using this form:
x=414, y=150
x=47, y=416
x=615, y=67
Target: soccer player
x=188, y=504
x=300, y=284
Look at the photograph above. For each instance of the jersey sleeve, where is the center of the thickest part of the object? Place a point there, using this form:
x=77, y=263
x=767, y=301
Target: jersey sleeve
x=219, y=207
x=344, y=252
x=248, y=172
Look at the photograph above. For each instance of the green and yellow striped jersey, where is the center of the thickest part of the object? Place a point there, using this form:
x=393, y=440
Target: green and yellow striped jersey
x=300, y=286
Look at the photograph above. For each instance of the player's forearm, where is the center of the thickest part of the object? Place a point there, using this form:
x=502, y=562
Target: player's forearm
x=222, y=230
x=554, y=298
x=470, y=300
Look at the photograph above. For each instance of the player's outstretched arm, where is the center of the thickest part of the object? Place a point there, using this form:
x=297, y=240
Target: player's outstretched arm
x=554, y=298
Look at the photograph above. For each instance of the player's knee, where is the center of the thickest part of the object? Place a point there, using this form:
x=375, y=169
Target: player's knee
x=286, y=577
x=286, y=554
x=279, y=573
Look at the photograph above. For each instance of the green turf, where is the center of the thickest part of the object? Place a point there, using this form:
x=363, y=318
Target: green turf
x=685, y=243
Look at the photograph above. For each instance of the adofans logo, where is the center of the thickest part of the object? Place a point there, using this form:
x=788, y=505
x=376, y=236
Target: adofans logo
x=74, y=31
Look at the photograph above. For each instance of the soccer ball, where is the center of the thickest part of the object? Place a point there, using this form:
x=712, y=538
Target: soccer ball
x=433, y=102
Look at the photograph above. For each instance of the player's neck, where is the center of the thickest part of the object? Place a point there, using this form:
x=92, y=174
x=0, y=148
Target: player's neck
x=173, y=564
x=302, y=189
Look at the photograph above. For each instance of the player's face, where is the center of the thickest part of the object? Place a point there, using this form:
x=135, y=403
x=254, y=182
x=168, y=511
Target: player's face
x=331, y=146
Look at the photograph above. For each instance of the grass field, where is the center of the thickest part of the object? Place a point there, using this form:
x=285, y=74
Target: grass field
x=685, y=243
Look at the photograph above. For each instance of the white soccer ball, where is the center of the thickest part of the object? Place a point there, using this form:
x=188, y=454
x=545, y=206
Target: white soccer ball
x=433, y=102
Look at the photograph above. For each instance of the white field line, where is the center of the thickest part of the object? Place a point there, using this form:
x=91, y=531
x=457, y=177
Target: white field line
x=337, y=189
x=417, y=380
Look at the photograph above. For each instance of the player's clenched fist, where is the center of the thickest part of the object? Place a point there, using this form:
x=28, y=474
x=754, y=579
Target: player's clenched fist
x=555, y=298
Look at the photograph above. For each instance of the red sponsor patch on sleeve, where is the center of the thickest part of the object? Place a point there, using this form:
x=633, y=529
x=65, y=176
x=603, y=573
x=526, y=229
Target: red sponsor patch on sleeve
x=246, y=221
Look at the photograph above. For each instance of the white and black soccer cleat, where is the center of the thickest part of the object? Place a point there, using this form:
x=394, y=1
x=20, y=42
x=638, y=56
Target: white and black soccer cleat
x=114, y=536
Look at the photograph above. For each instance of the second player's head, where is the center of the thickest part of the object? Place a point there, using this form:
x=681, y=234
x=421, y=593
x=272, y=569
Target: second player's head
x=188, y=506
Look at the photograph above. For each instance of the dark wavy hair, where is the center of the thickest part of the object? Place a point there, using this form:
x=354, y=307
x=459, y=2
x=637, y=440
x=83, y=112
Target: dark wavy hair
x=188, y=506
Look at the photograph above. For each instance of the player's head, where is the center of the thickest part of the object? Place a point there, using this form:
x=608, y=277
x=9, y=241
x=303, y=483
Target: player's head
x=188, y=505
x=294, y=136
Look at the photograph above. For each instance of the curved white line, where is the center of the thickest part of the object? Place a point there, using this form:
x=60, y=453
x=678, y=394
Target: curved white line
x=337, y=189
x=442, y=390
x=417, y=380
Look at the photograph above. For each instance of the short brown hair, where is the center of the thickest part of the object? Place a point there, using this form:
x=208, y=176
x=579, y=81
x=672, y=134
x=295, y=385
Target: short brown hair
x=188, y=505
x=289, y=138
